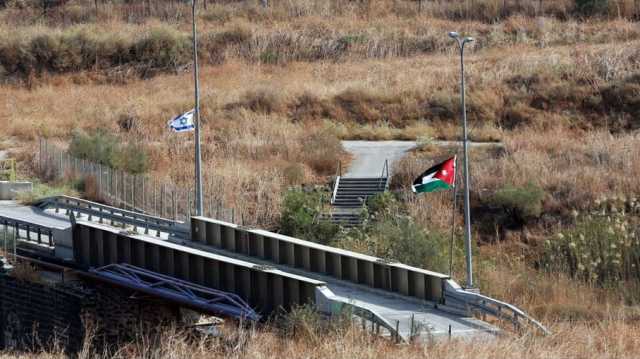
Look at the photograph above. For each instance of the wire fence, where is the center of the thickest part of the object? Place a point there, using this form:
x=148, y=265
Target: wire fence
x=135, y=192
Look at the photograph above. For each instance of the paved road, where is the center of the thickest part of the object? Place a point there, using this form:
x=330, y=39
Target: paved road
x=369, y=156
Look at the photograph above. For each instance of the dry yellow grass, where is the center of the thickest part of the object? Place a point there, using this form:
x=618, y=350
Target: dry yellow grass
x=533, y=82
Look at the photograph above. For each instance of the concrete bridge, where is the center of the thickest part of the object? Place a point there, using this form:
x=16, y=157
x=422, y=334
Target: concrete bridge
x=206, y=262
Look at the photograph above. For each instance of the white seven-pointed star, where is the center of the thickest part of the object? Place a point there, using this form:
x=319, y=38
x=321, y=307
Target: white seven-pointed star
x=444, y=172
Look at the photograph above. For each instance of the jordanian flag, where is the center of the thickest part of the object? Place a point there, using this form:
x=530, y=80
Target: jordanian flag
x=436, y=178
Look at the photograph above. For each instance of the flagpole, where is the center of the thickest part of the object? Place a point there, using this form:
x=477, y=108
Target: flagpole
x=198, y=156
x=453, y=215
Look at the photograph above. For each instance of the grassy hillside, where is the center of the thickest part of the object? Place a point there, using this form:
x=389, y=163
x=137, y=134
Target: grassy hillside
x=555, y=206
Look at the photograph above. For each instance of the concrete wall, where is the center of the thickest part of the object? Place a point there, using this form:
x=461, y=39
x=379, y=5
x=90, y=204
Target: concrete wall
x=9, y=190
x=341, y=264
x=264, y=289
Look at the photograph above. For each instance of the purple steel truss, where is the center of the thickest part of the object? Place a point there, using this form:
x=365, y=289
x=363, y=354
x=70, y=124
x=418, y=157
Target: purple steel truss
x=190, y=294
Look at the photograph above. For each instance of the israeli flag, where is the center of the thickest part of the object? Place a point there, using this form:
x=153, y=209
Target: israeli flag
x=183, y=122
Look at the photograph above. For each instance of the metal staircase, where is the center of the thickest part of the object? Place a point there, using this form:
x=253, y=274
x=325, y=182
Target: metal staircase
x=350, y=194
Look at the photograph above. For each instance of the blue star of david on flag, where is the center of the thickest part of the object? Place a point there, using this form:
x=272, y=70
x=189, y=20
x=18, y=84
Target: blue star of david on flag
x=182, y=123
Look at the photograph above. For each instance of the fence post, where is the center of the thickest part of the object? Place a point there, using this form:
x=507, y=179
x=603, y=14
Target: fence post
x=188, y=209
x=173, y=203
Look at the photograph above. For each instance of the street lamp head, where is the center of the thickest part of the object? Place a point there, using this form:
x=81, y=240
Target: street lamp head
x=468, y=39
x=454, y=35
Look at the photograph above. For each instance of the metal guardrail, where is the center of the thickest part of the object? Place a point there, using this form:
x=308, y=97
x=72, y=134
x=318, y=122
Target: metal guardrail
x=27, y=231
x=113, y=215
x=472, y=301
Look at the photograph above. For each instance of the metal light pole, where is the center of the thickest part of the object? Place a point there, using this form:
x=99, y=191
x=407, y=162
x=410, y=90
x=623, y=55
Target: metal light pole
x=197, y=114
x=467, y=212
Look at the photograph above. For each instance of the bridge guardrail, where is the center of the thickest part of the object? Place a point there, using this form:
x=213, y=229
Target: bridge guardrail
x=115, y=215
x=486, y=305
x=334, y=262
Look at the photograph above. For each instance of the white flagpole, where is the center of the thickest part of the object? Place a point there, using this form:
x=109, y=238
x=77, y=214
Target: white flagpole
x=198, y=156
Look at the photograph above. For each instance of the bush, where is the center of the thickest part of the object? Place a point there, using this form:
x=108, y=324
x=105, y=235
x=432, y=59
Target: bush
x=592, y=7
x=106, y=149
x=301, y=217
x=520, y=204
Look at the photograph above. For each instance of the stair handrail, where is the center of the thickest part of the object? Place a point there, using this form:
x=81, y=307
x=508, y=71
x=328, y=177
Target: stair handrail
x=336, y=182
x=384, y=174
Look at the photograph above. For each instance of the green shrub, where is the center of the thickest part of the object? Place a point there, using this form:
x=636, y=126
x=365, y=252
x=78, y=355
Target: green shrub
x=43, y=191
x=164, y=48
x=520, y=204
x=301, y=217
x=107, y=150
x=592, y=7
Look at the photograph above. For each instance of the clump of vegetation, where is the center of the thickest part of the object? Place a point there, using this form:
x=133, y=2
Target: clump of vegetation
x=41, y=191
x=107, y=150
x=603, y=247
x=302, y=216
x=520, y=204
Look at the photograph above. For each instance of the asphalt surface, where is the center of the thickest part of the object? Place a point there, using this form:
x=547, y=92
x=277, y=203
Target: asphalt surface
x=369, y=156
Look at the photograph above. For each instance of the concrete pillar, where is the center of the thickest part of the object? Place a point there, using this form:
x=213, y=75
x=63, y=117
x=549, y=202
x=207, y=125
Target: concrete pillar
x=287, y=254
x=228, y=239
x=242, y=241
x=293, y=291
x=272, y=249
x=214, y=236
x=84, y=244
x=318, y=261
x=435, y=288
x=229, y=279
x=166, y=262
x=244, y=277
x=278, y=291
x=352, y=268
x=198, y=230
x=264, y=288
x=100, y=248
x=400, y=280
x=111, y=239
x=334, y=264
x=212, y=273
x=153, y=258
x=183, y=260
x=138, y=254
x=380, y=276
x=125, y=254
x=305, y=258
x=418, y=285
x=256, y=245
x=365, y=273
x=197, y=269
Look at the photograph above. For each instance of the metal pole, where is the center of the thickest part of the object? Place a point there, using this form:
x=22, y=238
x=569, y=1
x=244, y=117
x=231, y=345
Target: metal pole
x=197, y=113
x=467, y=210
x=453, y=215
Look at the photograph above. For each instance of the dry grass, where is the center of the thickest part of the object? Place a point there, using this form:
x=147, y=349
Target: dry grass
x=280, y=87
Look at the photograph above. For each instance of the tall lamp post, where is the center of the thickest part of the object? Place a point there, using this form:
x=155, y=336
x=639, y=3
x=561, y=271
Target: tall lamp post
x=198, y=158
x=461, y=41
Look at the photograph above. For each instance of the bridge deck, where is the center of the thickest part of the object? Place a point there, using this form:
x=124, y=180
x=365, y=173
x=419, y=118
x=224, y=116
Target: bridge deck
x=399, y=311
x=33, y=215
